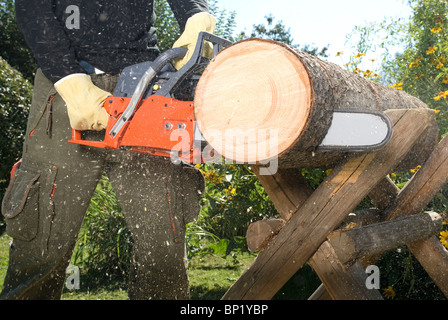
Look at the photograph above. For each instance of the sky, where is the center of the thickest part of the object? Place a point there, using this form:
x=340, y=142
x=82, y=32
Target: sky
x=318, y=22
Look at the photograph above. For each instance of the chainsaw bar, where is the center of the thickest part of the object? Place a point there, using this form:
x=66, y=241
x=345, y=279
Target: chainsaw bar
x=357, y=131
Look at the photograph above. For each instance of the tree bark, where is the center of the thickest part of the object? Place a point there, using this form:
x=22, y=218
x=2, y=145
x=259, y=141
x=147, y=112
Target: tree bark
x=260, y=100
x=351, y=245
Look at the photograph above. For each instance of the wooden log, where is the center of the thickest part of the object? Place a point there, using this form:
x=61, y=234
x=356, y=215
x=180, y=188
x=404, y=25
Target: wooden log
x=260, y=232
x=325, y=209
x=384, y=193
x=433, y=257
x=361, y=218
x=260, y=100
x=286, y=188
x=351, y=245
x=423, y=186
x=343, y=283
x=321, y=293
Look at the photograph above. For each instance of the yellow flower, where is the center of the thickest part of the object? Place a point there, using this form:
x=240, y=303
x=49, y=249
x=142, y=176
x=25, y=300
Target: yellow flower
x=437, y=98
x=414, y=64
x=415, y=169
x=389, y=292
x=397, y=85
x=437, y=111
x=213, y=177
x=419, y=59
x=431, y=50
x=445, y=80
x=444, y=238
x=440, y=65
x=436, y=30
x=230, y=191
x=367, y=73
x=339, y=53
x=359, y=55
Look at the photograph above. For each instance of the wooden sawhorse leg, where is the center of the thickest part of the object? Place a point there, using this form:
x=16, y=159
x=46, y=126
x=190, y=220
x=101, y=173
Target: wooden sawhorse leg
x=325, y=209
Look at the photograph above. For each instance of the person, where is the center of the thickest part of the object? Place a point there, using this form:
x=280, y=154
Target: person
x=80, y=47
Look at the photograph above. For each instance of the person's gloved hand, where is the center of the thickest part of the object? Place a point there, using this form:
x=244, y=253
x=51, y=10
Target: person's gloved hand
x=84, y=102
x=199, y=22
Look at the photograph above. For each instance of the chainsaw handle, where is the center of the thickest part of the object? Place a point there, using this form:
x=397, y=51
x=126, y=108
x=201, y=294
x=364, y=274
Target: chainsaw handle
x=194, y=62
x=143, y=84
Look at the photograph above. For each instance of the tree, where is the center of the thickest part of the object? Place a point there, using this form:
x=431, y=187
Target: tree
x=169, y=31
x=277, y=31
x=413, y=56
x=413, y=53
x=12, y=44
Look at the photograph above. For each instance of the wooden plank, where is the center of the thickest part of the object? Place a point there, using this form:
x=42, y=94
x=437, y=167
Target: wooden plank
x=325, y=209
x=351, y=245
x=342, y=283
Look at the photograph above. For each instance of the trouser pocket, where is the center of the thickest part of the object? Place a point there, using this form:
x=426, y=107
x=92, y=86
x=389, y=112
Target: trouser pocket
x=20, y=205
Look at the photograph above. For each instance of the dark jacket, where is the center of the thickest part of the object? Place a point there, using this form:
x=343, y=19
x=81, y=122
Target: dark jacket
x=109, y=34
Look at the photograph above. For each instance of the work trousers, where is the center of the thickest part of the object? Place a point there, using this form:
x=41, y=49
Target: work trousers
x=50, y=191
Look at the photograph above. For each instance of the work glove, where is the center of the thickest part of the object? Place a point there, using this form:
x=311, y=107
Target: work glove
x=84, y=102
x=199, y=22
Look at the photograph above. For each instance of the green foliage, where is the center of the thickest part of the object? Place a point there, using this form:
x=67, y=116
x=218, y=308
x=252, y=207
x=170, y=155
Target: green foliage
x=12, y=44
x=423, y=66
x=409, y=281
x=104, y=245
x=414, y=59
x=168, y=30
x=233, y=199
x=413, y=53
x=167, y=27
x=15, y=100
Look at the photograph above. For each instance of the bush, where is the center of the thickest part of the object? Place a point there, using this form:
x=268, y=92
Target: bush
x=15, y=100
x=104, y=245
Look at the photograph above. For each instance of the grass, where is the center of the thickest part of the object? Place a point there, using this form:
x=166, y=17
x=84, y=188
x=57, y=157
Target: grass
x=4, y=254
x=210, y=277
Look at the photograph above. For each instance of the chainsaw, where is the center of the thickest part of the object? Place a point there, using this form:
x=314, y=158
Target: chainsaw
x=152, y=111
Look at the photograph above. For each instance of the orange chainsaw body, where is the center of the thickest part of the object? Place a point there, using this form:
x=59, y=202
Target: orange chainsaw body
x=161, y=126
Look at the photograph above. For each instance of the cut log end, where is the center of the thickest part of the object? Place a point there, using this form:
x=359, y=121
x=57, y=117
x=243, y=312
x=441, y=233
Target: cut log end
x=253, y=101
